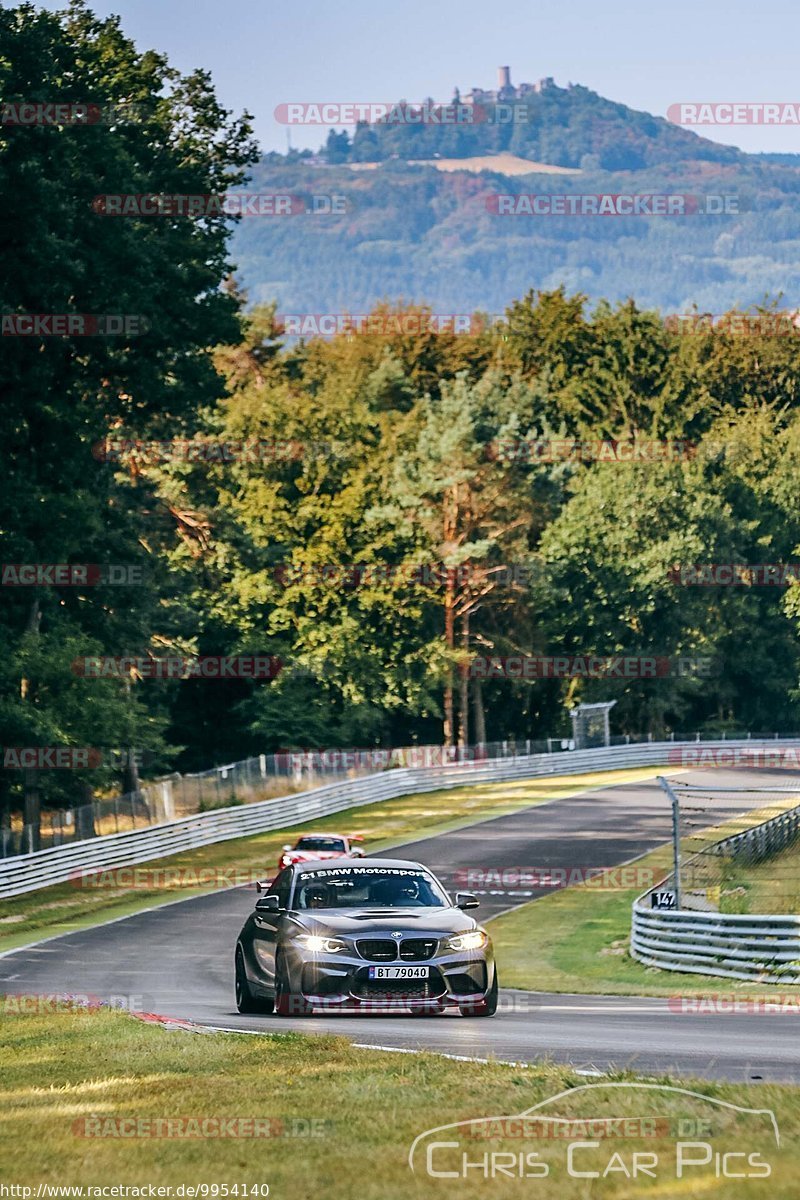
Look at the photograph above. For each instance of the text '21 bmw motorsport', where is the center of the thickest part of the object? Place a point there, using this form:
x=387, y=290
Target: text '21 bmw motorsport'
x=377, y=933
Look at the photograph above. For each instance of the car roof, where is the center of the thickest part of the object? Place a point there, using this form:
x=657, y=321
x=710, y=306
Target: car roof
x=343, y=836
x=343, y=863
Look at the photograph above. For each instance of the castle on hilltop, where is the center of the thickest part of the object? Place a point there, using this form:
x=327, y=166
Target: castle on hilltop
x=505, y=90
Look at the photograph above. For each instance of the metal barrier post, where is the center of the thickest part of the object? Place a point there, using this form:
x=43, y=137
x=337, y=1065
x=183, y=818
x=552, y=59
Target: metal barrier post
x=676, y=838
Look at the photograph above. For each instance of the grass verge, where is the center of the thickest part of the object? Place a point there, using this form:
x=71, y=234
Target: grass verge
x=87, y=1097
x=772, y=886
x=66, y=907
x=577, y=939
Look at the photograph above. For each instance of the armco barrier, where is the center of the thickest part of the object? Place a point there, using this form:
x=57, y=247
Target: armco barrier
x=27, y=872
x=758, y=948
x=762, y=841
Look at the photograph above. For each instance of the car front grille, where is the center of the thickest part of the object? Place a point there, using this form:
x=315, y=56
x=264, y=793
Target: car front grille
x=418, y=948
x=377, y=949
x=384, y=950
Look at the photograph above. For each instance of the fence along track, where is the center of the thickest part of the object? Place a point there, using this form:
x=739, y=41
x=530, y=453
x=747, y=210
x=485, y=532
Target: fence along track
x=58, y=864
x=759, y=948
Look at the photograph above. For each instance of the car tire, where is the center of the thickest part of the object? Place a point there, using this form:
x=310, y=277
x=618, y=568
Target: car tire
x=288, y=1003
x=246, y=1001
x=487, y=1007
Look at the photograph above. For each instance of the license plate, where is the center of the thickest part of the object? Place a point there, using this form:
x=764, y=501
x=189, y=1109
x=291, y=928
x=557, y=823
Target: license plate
x=399, y=972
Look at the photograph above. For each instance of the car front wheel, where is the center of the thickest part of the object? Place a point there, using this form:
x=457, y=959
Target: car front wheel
x=486, y=1007
x=246, y=1001
x=288, y=1003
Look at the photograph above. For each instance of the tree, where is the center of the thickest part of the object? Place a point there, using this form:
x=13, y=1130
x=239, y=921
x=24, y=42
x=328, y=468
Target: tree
x=613, y=549
x=463, y=509
x=337, y=147
x=62, y=396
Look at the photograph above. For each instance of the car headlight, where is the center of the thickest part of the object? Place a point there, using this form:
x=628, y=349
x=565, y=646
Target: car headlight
x=321, y=945
x=468, y=941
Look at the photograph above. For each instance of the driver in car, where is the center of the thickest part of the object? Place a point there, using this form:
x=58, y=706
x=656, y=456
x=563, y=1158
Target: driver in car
x=396, y=893
x=409, y=892
x=316, y=897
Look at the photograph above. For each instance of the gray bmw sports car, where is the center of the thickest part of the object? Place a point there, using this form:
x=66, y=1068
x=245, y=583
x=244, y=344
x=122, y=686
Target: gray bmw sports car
x=376, y=933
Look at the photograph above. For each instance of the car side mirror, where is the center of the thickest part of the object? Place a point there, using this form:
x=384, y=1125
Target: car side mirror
x=267, y=904
x=467, y=900
x=285, y=848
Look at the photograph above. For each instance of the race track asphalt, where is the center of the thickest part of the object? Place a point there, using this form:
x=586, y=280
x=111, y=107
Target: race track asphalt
x=177, y=959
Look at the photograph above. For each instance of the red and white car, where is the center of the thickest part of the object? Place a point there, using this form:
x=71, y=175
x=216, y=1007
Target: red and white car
x=321, y=845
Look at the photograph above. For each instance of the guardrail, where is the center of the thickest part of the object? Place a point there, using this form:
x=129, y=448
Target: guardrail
x=261, y=777
x=266, y=776
x=28, y=872
x=759, y=948
x=762, y=841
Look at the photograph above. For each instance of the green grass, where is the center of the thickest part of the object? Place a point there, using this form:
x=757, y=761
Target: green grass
x=577, y=939
x=365, y=1109
x=772, y=886
x=66, y=907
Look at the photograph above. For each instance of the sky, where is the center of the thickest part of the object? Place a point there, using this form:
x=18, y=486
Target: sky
x=646, y=55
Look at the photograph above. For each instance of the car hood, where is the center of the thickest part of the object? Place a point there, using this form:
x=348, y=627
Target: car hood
x=382, y=922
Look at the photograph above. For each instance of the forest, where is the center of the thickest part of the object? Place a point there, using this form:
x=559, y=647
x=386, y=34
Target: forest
x=351, y=521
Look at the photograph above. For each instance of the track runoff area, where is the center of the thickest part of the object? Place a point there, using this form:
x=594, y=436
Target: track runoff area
x=177, y=960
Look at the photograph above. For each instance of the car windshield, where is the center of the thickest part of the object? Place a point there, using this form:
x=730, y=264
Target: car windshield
x=320, y=843
x=368, y=887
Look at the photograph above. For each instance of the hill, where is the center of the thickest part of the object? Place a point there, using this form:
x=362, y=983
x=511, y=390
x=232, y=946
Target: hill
x=561, y=126
x=421, y=229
